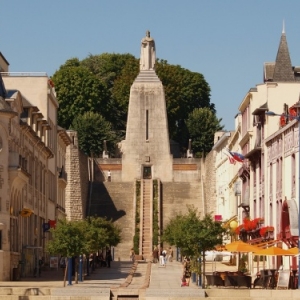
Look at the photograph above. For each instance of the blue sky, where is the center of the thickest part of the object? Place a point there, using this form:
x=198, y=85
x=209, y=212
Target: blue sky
x=227, y=41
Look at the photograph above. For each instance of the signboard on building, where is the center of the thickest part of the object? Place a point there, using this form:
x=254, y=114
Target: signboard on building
x=54, y=262
x=218, y=218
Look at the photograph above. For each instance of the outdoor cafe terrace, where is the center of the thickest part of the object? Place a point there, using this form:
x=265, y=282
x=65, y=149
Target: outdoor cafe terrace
x=261, y=260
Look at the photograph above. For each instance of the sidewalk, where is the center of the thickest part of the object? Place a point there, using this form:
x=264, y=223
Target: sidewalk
x=160, y=283
x=102, y=277
x=161, y=277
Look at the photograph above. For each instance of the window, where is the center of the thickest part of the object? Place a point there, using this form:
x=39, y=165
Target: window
x=147, y=125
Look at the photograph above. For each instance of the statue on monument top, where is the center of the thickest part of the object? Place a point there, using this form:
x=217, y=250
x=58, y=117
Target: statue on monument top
x=148, y=57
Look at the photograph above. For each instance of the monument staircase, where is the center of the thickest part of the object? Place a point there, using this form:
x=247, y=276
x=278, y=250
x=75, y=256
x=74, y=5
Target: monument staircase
x=146, y=218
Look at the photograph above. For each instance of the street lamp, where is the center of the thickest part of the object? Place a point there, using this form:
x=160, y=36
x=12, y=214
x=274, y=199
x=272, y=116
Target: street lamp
x=297, y=117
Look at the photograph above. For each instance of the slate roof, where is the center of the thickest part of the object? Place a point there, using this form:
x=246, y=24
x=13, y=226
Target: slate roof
x=281, y=70
x=269, y=71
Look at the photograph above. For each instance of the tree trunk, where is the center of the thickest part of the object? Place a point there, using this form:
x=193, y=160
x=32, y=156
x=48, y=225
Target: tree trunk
x=203, y=272
x=65, y=275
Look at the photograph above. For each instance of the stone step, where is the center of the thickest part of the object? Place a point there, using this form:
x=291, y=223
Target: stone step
x=228, y=293
x=83, y=293
x=180, y=293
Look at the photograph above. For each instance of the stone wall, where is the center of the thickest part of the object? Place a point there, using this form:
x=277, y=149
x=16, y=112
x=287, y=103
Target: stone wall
x=103, y=165
x=209, y=183
x=177, y=196
x=77, y=190
x=115, y=201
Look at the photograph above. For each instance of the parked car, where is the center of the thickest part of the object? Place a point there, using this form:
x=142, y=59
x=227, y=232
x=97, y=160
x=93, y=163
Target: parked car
x=217, y=255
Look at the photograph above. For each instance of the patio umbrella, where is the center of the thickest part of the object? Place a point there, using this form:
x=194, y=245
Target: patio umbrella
x=294, y=250
x=275, y=251
x=240, y=246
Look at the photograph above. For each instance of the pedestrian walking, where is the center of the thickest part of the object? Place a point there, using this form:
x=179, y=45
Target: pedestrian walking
x=132, y=255
x=161, y=257
x=170, y=254
x=155, y=254
x=63, y=263
x=108, y=258
x=164, y=253
x=186, y=274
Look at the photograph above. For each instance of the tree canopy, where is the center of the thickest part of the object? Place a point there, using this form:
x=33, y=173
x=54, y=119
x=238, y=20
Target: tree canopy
x=93, y=130
x=194, y=235
x=78, y=91
x=101, y=84
x=202, y=124
x=72, y=238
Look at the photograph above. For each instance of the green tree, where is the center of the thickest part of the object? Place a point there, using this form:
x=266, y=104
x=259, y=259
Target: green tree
x=117, y=72
x=194, y=235
x=184, y=91
x=73, y=238
x=121, y=92
x=92, y=130
x=101, y=83
x=202, y=124
x=69, y=240
x=107, y=67
x=102, y=233
x=78, y=91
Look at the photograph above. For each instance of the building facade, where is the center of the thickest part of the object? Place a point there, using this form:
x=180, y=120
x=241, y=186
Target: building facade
x=33, y=180
x=270, y=146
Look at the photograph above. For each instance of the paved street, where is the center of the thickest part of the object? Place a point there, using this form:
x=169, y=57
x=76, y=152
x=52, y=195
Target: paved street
x=163, y=280
x=119, y=282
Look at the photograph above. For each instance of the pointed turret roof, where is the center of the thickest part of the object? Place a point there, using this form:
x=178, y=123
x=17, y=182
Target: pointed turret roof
x=283, y=71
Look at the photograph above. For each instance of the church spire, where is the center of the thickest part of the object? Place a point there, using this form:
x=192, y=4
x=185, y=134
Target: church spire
x=283, y=71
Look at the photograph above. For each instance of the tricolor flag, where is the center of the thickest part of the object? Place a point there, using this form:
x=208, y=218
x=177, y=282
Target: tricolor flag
x=237, y=156
x=234, y=157
x=230, y=157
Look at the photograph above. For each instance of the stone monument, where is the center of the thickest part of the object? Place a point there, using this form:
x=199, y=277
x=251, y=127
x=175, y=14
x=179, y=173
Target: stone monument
x=146, y=148
x=148, y=57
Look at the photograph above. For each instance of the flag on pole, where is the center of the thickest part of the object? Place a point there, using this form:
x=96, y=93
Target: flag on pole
x=237, y=156
x=230, y=157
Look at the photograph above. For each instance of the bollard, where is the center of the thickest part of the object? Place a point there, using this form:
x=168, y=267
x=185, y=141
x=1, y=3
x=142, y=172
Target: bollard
x=80, y=268
x=69, y=270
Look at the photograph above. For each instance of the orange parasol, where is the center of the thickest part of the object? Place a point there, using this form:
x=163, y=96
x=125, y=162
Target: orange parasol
x=240, y=246
x=294, y=250
x=274, y=251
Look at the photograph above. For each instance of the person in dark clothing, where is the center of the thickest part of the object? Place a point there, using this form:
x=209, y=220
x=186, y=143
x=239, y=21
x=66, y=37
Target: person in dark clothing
x=108, y=257
x=186, y=272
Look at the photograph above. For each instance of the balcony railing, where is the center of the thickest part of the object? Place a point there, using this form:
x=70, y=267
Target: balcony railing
x=62, y=174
